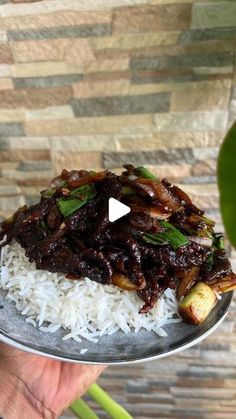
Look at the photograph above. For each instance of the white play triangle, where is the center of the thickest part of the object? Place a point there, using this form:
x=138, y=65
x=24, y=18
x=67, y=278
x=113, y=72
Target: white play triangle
x=117, y=210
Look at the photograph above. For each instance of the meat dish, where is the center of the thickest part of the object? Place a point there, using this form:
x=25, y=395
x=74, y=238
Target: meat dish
x=164, y=242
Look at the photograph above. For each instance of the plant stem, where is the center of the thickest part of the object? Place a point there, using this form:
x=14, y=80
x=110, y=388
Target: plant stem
x=82, y=410
x=107, y=403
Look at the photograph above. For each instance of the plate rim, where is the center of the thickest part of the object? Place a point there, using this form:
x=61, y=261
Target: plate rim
x=189, y=343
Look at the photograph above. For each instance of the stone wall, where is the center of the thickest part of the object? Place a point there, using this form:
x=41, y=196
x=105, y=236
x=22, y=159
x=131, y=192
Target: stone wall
x=99, y=83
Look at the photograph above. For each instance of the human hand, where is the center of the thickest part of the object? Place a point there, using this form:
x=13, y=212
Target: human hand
x=42, y=387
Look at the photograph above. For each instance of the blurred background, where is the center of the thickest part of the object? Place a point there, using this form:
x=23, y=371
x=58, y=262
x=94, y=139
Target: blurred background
x=99, y=83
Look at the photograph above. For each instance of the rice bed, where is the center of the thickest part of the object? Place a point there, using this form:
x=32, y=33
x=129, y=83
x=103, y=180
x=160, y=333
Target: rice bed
x=83, y=308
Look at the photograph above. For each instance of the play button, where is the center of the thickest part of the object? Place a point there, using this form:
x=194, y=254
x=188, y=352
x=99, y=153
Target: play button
x=117, y=210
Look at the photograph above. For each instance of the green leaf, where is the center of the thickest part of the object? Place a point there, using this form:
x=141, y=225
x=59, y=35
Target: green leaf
x=143, y=172
x=226, y=174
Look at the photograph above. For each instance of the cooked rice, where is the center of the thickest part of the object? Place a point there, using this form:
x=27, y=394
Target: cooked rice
x=83, y=308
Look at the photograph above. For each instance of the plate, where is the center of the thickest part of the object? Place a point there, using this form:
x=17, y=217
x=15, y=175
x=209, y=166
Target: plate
x=118, y=348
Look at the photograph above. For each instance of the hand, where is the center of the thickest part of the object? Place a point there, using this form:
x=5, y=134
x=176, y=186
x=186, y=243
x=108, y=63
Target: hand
x=45, y=386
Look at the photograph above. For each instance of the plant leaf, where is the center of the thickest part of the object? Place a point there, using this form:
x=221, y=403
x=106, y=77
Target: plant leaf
x=226, y=174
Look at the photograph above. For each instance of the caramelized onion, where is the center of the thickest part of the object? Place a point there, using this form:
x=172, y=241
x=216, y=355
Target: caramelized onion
x=187, y=281
x=124, y=283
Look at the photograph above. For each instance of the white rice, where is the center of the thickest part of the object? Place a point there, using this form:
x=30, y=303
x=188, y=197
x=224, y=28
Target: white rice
x=84, y=308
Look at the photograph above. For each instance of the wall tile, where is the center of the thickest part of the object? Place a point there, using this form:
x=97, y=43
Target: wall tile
x=181, y=61
x=11, y=129
x=191, y=121
x=121, y=105
x=207, y=34
x=5, y=54
x=81, y=31
x=68, y=160
x=49, y=81
x=214, y=15
x=170, y=156
x=65, y=19
x=57, y=112
x=200, y=100
x=35, y=98
x=149, y=18
x=84, y=143
x=87, y=126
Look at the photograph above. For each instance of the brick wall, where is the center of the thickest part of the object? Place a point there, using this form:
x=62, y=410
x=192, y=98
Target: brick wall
x=99, y=83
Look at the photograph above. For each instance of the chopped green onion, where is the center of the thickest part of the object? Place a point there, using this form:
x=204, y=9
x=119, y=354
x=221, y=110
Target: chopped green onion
x=82, y=190
x=49, y=192
x=143, y=172
x=219, y=242
x=82, y=410
x=44, y=225
x=155, y=239
x=210, y=260
x=207, y=221
x=126, y=190
x=171, y=236
x=69, y=205
x=115, y=410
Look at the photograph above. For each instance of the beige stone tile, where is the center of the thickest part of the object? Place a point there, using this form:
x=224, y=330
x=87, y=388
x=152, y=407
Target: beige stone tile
x=162, y=140
x=12, y=115
x=5, y=70
x=200, y=100
x=148, y=18
x=72, y=51
x=207, y=167
x=11, y=203
x=101, y=88
x=135, y=41
x=55, y=19
x=111, y=65
x=84, y=143
x=5, y=54
x=214, y=70
x=6, y=190
x=79, y=52
x=209, y=189
x=68, y=160
x=26, y=143
x=20, y=155
x=6, y=84
x=30, y=190
x=49, y=6
x=35, y=98
x=48, y=68
x=140, y=89
x=3, y=36
x=84, y=126
x=175, y=171
x=191, y=121
x=19, y=175
x=57, y=112
x=107, y=75
x=43, y=50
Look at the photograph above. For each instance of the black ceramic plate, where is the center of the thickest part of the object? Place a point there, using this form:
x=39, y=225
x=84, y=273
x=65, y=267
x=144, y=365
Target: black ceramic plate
x=118, y=348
